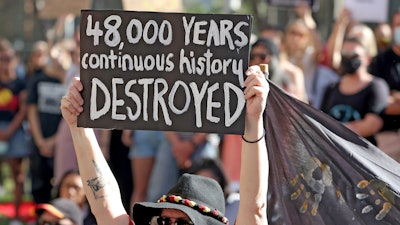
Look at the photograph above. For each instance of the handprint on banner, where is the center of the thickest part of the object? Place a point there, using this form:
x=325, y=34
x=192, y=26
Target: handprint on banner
x=317, y=177
x=377, y=192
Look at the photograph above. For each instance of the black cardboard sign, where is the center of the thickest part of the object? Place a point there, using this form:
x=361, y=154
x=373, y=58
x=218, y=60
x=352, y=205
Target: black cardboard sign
x=164, y=71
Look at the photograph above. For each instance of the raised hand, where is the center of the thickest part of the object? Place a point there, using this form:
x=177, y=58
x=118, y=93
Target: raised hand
x=256, y=92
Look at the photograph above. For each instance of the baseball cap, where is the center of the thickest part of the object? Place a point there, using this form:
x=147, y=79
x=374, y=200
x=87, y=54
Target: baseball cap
x=62, y=208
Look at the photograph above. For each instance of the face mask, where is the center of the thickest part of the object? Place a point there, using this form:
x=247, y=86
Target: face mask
x=350, y=65
x=396, y=36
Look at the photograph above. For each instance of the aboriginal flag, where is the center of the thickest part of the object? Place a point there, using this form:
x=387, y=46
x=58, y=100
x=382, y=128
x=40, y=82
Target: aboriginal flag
x=321, y=173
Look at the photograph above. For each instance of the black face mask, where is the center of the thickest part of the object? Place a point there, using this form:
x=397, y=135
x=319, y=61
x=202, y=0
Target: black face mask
x=350, y=65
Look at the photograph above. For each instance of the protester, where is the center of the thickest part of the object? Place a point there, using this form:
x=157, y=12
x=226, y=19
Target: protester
x=303, y=49
x=346, y=26
x=59, y=211
x=275, y=34
x=71, y=187
x=103, y=192
x=383, y=36
x=38, y=59
x=14, y=141
x=44, y=93
x=387, y=66
x=359, y=98
x=299, y=46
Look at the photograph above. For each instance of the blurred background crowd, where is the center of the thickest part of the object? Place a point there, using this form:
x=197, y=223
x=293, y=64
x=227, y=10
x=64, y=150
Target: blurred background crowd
x=324, y=53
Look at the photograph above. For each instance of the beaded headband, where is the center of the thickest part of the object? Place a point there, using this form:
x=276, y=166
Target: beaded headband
x=200, y=208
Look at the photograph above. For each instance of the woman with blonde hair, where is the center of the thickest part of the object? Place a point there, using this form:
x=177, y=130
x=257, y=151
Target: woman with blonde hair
x=302, y=47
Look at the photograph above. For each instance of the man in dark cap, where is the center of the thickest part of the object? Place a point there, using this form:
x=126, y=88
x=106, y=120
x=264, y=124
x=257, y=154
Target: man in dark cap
x=60, y=211
x=264, y=51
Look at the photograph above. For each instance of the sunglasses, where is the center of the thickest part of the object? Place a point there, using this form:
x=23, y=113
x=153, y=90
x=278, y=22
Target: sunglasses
x=261, y=56
x=160, y=220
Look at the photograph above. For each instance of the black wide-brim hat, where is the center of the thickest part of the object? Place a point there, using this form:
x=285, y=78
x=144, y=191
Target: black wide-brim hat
x=201, y=198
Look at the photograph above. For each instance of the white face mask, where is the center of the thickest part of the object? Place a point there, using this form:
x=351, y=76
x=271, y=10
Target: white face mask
x=396, y=36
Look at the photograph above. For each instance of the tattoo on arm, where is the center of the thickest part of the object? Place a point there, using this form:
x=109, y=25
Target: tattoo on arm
x=98, y=184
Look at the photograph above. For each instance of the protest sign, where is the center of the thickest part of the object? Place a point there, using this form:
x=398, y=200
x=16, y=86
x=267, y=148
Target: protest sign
x=164, y=71
x=373, y=11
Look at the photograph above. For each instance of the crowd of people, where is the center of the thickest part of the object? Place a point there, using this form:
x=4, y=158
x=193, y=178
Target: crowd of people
x=354, y=76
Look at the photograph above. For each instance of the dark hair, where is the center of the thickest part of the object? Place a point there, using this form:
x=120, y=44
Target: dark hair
x=268, y=44
x=56, y=189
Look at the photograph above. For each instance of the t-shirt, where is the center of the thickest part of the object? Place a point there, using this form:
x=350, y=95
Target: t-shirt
x=46, y=92
x=346, y=108
x=9, y=98
x=387, y=66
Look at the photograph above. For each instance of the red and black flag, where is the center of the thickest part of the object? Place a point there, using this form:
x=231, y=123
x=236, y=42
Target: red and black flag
x=321, y=173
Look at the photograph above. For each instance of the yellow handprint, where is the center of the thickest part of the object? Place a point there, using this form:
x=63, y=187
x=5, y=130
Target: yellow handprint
x=385, y=197
x=317, y=177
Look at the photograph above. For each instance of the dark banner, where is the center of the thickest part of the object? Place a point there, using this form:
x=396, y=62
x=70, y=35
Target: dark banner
x=324, y=174
x=164, y=71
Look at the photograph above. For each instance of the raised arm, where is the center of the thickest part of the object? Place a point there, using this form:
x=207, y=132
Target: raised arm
x=100, y=186
x=254, y=165
x=335, y=40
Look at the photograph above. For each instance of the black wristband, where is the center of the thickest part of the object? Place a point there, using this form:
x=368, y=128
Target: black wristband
x=251, y=142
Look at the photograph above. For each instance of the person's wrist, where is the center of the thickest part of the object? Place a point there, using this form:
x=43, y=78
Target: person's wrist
x=253, y=139
x=254, y=128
